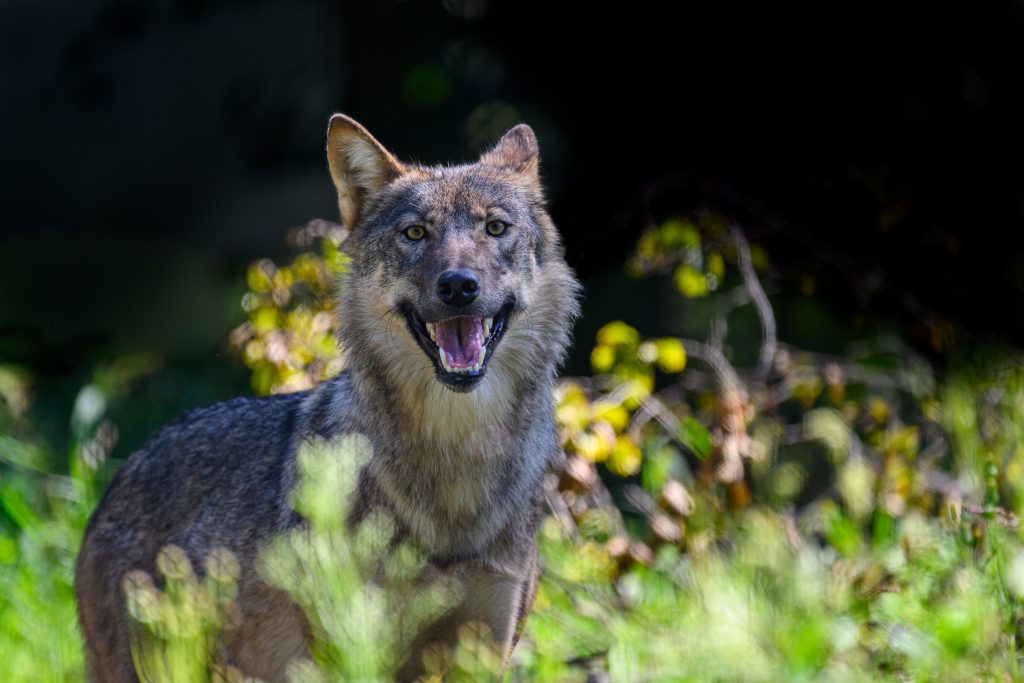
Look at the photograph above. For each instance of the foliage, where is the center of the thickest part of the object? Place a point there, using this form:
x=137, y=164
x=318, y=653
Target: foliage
x=363, y=616
x=288, y=338
x=731, y=508
x=45, y=503
x=177, y=629
x=777, y=607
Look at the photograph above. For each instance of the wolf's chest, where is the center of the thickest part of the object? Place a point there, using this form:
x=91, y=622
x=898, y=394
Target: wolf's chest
x=449, y=500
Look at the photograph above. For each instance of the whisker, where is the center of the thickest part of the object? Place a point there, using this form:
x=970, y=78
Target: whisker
x=529, y=326
x=388, y=331
x=377, y=320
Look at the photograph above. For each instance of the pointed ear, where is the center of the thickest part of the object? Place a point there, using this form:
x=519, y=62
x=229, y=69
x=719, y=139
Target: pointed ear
x=360, y=166
x=516, y=152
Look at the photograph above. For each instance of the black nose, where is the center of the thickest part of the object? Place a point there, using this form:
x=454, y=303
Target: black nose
x=458, y=287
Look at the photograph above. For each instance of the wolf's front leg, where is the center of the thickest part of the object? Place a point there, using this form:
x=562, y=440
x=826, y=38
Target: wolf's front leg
x=498, y=597
x=274, y=632
x=494, y=598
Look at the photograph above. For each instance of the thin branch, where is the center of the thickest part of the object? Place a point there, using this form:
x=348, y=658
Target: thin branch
x=761, y=303
x=716, y=360
x=652, y=408
x=716, y=193
x=558, y=507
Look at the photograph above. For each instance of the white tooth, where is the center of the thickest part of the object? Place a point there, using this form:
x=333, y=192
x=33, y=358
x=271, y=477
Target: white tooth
x=444, y=359
x=480, y=356
x=433, y=331
x=487, y=326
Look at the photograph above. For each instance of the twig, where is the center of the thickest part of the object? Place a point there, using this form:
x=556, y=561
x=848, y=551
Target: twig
x=652, y=407
x=761, y=303
x=558, y=507
x=716, y=360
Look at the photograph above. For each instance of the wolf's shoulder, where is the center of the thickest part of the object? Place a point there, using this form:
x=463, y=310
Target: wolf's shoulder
x=247, y=418
x=252, y=419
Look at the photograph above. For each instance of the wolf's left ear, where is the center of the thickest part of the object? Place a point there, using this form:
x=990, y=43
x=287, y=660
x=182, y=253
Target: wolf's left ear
x=360, y=166
x=516, y=152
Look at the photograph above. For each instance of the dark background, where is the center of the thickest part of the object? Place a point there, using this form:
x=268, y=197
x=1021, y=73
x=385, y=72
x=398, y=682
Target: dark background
x=153, y=149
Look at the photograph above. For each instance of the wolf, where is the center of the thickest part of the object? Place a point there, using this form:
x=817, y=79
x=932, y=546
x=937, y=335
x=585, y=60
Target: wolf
x=457, y=310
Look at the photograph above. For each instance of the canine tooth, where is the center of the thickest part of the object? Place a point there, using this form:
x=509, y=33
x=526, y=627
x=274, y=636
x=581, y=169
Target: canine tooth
x=444, y=359
x=487, y=326
x=480, y=356
x=431, y=328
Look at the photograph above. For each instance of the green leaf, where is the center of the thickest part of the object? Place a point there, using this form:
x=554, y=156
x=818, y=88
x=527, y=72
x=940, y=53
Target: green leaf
x=695, y=437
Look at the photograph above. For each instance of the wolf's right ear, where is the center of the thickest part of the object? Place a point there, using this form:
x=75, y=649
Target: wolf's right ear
x=516, y=152
x=360, y=166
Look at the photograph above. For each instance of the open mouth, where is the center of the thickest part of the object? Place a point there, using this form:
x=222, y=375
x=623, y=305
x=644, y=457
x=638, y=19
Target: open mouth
x=461, y=347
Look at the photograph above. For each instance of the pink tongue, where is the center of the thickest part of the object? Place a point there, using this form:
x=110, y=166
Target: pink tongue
x=461, y=339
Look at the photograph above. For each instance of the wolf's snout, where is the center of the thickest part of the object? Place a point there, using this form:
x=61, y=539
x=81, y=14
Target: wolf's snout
x=458, y=287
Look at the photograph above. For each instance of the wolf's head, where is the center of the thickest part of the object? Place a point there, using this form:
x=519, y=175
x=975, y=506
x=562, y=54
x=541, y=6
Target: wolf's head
x=458, y=278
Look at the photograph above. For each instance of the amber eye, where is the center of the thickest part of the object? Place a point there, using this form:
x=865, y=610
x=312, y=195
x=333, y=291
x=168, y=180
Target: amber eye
x=496, y=227
x=415, y=232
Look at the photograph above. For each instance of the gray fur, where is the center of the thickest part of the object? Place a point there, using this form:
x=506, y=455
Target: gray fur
x=459, y=471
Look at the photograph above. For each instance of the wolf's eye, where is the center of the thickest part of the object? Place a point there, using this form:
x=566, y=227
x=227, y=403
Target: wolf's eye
x=415, y=232
x=496, y=227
